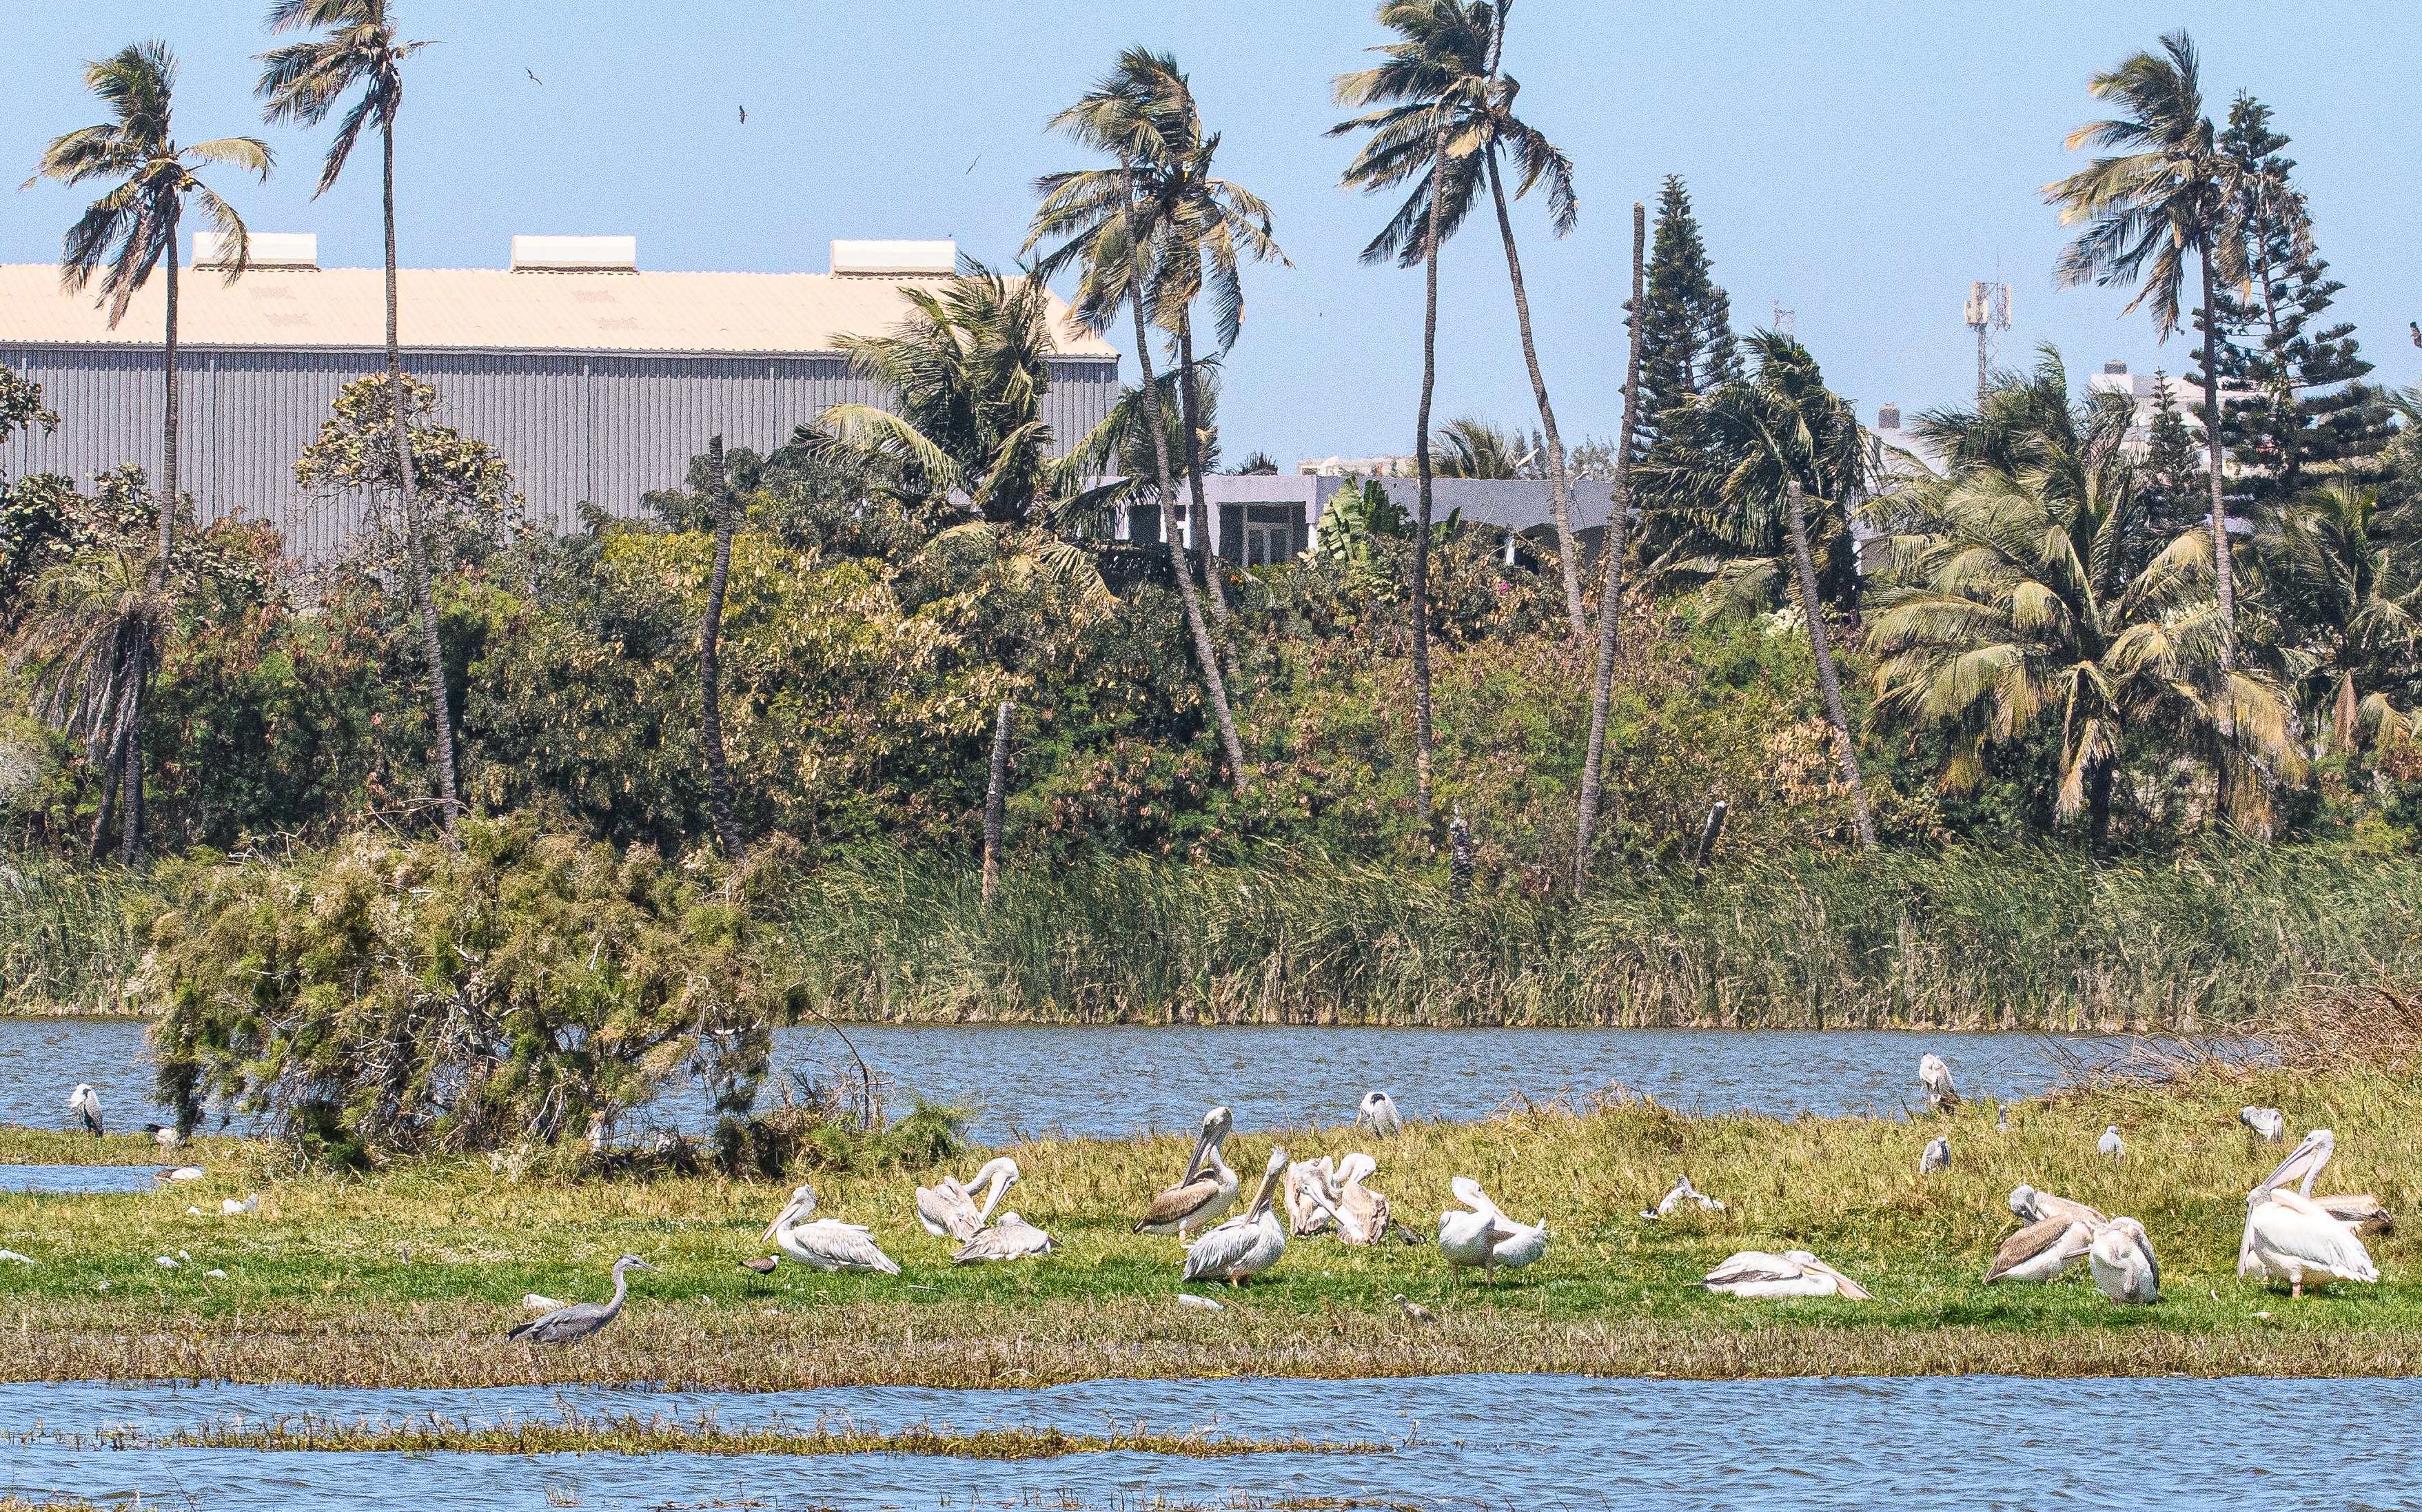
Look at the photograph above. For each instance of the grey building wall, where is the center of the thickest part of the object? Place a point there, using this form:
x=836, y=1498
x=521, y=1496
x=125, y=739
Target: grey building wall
x=601, y=428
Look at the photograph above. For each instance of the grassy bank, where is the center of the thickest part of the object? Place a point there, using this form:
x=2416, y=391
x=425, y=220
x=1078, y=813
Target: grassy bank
x=1957, y=937
x=409, y=1278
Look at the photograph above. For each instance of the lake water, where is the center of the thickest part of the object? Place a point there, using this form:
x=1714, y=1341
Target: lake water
x=1462, y=1441
x=1115, y=1080
x=79, y=1178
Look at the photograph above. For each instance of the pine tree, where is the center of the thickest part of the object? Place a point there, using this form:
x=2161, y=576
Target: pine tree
x=1686, y=332
x=2302, y=405
x=2177, y=495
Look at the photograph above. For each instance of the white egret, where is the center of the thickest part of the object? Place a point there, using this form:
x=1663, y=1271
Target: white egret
x=824, y=1243
x=1245, y=1245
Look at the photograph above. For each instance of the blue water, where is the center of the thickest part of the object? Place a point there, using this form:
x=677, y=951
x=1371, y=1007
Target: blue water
x=78, y=1178
x=1460, y=1442
x=1113, y=1081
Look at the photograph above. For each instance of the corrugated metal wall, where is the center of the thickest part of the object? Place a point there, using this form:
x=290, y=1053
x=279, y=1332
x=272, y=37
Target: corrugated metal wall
x=601, y=428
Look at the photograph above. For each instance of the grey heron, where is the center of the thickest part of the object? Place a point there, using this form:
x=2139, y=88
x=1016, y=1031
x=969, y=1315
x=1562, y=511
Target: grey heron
x=2268, y=1122
x=1935, y=1077
x=570, y=1325
x=1936, y=1157
x=85, y=1104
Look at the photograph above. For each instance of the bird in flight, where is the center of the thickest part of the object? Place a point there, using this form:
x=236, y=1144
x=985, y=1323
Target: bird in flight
x=971, y=167
x=744, y=115
x=2416, y=326
x=534, y=78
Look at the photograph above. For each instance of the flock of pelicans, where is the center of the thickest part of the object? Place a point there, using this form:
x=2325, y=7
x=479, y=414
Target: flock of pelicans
x=2289, y=1234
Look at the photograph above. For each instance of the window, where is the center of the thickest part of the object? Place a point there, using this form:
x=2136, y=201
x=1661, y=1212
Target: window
x=1272, y=533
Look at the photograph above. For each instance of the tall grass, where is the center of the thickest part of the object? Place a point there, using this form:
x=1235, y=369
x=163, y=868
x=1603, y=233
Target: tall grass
x=68, y=939
x=1961, y=936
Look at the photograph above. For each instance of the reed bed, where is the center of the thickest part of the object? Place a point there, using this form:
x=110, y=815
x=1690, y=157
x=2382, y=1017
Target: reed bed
x=1960, y=938
x=70, y=935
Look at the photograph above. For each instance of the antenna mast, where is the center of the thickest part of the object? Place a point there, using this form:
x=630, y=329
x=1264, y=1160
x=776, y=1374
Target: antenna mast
x=1989, y=310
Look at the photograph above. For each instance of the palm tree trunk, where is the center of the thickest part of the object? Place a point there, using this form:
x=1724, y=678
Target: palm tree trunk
x=2098, y=807
x=710, y=672
x=1559, y=492
x=1423, y=733
x=1828, y=680
x=2222, y=578
x=1201, y=510
x=996, y=801
x=128, y=771
x=1213, y=686
x=1609, y=598
x=416, y=539
x=130, y=799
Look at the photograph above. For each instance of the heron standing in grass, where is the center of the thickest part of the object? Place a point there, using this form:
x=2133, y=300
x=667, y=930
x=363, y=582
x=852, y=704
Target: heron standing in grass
x=2268, y=1122
x=85, y=1104
x=1378, y=1114
x=1935, y=1077
x=570, y=1325
x=1936, y=1157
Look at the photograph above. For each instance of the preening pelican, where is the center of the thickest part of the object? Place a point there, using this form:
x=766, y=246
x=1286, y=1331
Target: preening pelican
x=2362, y=1212
x=85, y=1104
x=2121, y=1259
x=1792, y=1273
x=570, y=1325
x=1378, y=1114
x=1247, y=1244
x=1485, y=1237
x=948, y=1210
x=1310, y=1193
x=1207, y=1190
x=2035, y=1207
x=1010, y=1239
x=2040, y=1250
x=2269, y=1123
x=2289, y=1234
x=1935, y=1155
x=1361, y=1214
x=2111, y=1143
x=1683, y=1192
x=1941, y=1095
x=824, y=1243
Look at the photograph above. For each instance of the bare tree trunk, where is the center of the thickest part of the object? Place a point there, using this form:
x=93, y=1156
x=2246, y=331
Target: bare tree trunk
x=128, y=771
x=1204, y=538
x=433, y=649
x=2223, y=576
x=1422, y=734
x=996, y=800
x=1828, y=680
x=1213, y=686
x=710, y=669
x=1559, y=490
x=1609, y=598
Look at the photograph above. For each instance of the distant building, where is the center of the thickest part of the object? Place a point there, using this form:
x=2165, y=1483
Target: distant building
x=2139, y=388
x=1260, y=519
x=598, y=381
x=1358, y=467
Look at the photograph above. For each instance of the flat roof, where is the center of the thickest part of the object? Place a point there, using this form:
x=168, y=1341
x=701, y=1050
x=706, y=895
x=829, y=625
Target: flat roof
x=484, y=310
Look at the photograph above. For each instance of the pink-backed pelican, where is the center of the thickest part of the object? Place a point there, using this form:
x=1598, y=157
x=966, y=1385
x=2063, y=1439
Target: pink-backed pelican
x=1245, y=1245
x=1207, y=1190
x=1792, y=1273
x=948, y=1209
x=1485, y=1237
x=2288, y=1233
x=824, y=1243
x=2121, y=1259
x=1010, y=1237
x=2041, y=1250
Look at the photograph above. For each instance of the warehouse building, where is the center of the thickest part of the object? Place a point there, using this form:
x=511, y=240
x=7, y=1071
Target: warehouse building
x=596, y=379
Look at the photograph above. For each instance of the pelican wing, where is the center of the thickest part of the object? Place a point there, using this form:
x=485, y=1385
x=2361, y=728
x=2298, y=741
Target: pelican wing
x=2359, y=1212
x=947, y=1211
x=1362, y=1215
x=2057, y=1232
x=1843, y=1285
x=1011, y=1238
x=1178, y=1202
x=1752, y=1265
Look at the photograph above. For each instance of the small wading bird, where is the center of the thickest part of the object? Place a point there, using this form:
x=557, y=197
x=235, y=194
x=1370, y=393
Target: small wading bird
x=1936, y=1157
x=2121, y=1259
x=1378, y=1114
x=570, y=1325
x=1245, y=1245
x=1485, y=1237
x=948, y=1210
x=1792, y=1273
x=1941, y=1095
x=2288, y=1233
x=85, y=1104
x=2042, y=1250
x=1010, y=1239
x=2111, y=1143
x=1683, y=1192
x=1413, y=1310
x=1207, y=1190
x=827, y=1244
x=2270, y=1124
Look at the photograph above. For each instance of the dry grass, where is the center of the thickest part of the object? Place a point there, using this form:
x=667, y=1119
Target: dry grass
x=409, y=1278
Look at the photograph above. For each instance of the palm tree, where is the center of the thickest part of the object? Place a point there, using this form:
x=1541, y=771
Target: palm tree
x=1445, y=114
x=2169, y=195
x=1609, y=598
x=2013, y=601
x=93, y=630
x=2332, y=573
x=710, y=672
x=132, y=228
x=302, y=83
x=1107, y=224
x=1476, y=448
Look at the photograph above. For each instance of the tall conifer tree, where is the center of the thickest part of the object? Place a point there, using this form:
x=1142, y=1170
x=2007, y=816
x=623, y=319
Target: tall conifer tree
x=1686, y=329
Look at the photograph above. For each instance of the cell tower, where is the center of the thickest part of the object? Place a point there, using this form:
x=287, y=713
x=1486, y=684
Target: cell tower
x=1989, y=310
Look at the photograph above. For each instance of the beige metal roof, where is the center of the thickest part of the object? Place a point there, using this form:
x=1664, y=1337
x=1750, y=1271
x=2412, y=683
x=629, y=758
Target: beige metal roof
x=482, y=309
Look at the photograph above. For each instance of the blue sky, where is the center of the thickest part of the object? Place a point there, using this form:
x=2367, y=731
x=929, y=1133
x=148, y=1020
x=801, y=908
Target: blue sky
x=1858, y=163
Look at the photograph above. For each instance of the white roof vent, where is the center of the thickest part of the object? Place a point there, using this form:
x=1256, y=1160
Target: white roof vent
x=893, y=259
x=575, y=254
x=264, y=249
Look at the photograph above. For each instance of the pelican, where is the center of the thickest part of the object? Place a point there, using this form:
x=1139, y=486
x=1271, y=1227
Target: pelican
x=824, y=1243
x=1247, y=1244
x=85, y=1104
x=1485, y=1237
x=1792, y=1273
x=570, y=1325
x=2121, y=1259
x=2041, y=1250
x=1941, y=1095
x=948, y=1209
x=1378, y=1114
x=1359, y=1213
x=2111, y=1143
x=1011, y=1238
x=1936, y=1157
x=1683, y=1192
x=2035, y=1207
x=2363, y=1213
x=1310, y=1194
x=2287, y=1234
x=2303, y=1163
x=2268, y=1122
x=1207, y=1190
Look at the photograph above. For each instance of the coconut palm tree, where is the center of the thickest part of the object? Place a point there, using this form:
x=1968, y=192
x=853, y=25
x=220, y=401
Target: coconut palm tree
x=2332, y=573
x=1107, y=228
x=132, y=228
x=1445, y=77
x=91, y=636
x=1476, y=448
x=2168, y=194
x=356, y=48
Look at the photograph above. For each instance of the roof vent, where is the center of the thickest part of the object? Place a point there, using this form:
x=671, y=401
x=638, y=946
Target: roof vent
x=2115, y=364
x=1888, y=418
x=263, y=249
x=575, y=254
x=894, y=259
